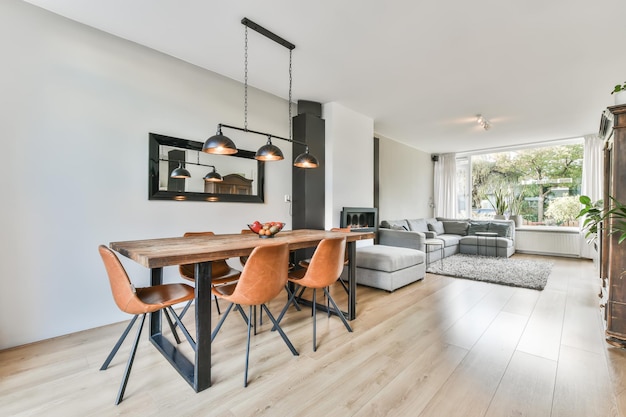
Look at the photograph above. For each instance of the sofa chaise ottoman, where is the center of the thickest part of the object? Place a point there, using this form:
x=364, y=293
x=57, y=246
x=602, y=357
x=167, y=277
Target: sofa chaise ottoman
x=388, y=267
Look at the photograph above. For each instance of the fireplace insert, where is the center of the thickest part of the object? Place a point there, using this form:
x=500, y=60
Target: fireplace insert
x=360, y=219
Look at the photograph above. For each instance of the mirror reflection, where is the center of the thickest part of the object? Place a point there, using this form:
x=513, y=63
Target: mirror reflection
x=179, y=170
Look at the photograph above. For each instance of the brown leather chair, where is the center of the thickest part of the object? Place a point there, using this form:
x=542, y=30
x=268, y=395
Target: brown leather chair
x=140, y=301
x=305, y=262
x=243, y=259
x=324, y=269
x=221, y=272
x=263, y=278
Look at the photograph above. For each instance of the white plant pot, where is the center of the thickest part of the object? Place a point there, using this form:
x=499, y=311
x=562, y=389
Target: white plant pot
x=620, y=97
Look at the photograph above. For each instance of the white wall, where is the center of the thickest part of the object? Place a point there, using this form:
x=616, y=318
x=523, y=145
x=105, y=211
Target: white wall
x=406, y=181
x=349, y=161
x=76, y=109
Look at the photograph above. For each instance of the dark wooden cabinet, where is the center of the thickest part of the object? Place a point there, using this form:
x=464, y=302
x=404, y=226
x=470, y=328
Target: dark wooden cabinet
x=231, y=184
x=614, y=260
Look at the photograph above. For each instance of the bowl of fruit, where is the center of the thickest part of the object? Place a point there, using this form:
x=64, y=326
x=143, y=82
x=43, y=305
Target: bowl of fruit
x=267, y=229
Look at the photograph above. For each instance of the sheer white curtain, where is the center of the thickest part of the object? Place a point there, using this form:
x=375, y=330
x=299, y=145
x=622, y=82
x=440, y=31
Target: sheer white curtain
x=445, y=186
x=593, y=169
x=593, y=178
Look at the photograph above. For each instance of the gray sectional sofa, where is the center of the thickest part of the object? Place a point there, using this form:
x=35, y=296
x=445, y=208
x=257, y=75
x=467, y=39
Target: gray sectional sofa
x=476, y=237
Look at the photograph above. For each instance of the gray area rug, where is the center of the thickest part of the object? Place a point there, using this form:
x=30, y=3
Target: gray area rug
x=524, y=273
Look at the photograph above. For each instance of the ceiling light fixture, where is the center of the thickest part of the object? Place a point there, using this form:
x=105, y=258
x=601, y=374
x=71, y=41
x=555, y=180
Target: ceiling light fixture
x=220, y=144
x=483, y=122
x=213, y=176
x=182, y=173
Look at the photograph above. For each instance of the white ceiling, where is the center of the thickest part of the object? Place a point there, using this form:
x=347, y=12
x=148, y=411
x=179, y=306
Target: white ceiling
x=539, y=70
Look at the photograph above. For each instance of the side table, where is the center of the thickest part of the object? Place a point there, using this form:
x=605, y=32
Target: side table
x=434, y=242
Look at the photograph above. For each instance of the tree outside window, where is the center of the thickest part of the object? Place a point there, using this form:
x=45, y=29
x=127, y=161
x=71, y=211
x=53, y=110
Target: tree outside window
x=541, y=184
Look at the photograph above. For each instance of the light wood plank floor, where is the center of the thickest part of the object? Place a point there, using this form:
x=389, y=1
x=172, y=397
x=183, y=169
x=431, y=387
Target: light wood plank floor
x=440, y=347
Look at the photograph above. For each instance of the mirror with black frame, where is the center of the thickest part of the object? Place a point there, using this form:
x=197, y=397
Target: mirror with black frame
x=206, y=177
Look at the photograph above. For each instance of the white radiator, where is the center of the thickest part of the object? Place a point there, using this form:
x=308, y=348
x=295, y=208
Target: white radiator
x=548, y=241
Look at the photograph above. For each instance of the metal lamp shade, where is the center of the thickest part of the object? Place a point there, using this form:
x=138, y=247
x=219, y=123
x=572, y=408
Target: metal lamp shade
x=213, y=177
x=306, y=160
x=269, y=152
x=219, y=144
x=180, y=172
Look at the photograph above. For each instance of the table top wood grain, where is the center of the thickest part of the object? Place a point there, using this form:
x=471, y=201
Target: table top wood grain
x=155, y=253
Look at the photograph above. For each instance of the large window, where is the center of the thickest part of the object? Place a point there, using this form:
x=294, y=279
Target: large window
x=534, y=186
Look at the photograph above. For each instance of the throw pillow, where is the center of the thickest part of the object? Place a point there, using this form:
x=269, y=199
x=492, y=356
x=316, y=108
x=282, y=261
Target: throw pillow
x=456, y=227
x=387, y=224
x=503, y=230
x=397, y=227
x=477, y=227
x=418, y=225
x=437, y=227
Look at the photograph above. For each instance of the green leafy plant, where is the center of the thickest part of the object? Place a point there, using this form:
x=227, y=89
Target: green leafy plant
x=499, y=202
x=596, y=218
x=516, y=200
x=592, y=217
x=619, y=87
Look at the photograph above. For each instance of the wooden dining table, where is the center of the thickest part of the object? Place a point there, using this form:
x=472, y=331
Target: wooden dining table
x=201, y=251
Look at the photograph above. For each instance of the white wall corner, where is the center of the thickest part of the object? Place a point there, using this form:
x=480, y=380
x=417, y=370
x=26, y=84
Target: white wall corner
x=349, y=161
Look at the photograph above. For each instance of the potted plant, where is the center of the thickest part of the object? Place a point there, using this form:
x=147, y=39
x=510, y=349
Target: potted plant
x=596, y=218
x=499, y=203
x=620, y=93
x=516, y=200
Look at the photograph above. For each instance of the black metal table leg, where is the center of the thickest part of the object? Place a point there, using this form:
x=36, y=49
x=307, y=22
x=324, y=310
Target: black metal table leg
x=202, y=369
x=351, y=280
x=156, y=278
x=197, y=372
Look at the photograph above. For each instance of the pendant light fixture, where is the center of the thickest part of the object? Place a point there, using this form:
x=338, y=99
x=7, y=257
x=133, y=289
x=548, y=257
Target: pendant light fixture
x=180, y=172
x=306, y=160
x=219, y=144
x=269, y=152
x=223, y=145
x=213, y=176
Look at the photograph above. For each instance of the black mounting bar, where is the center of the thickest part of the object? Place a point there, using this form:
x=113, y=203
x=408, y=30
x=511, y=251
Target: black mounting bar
x=187, y=162
x=261, y=133
x=270, y=35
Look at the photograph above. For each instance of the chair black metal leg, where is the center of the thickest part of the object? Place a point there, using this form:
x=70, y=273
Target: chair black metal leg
x=241, y=313
x=302, y=289
x=280, y=330
x=219, y=324
x=172, y=327
x=284, y=310
x=217, y=305
x=339, y=313
x=245, y=378
x=183, y=328
x=327, y=301
x=314, y=320
x=345, y=287
x=182, y=313
x=109, y=358
x=295, y=301
x=255, y=320
x=129, y=364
